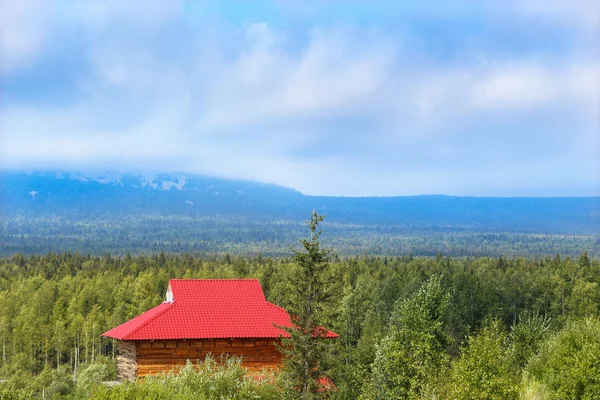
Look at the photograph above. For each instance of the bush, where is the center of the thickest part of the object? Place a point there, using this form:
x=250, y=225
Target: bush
x=11, y=391
x=486, y=369
x=92, y=375
x=408, y=360
x=568, y=364
x=205, y=380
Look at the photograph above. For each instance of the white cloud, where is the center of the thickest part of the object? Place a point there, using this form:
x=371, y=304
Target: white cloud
x=580, y=14
x=336, y=109
x=23, y=26
x=516, y=86
x=525, y=85
x=334, y=70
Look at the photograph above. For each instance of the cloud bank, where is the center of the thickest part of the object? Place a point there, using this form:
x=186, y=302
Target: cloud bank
x=326, y=97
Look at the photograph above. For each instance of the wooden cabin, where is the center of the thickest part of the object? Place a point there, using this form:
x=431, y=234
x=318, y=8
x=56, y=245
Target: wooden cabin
x=201, y=317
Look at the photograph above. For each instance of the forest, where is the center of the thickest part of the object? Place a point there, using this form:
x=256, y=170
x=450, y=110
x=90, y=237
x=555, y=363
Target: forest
x=142, y=234
x=54, y=211
x=410, y=327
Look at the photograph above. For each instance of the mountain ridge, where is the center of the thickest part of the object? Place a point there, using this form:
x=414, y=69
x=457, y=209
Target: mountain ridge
x=167, y=181
x=60, y=191
x=51, y=210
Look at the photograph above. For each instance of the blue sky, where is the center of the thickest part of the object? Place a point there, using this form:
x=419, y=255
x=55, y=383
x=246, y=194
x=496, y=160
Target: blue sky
x=465, y=97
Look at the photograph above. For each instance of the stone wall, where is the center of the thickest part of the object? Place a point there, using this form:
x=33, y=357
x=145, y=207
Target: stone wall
x=126, y=361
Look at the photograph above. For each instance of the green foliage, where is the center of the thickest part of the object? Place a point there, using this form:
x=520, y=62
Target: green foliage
x=93, y=375
x=61, y=385
x=527, y=336
x=52, y=304
x=206, y=380
x=568, y=364
x=11, y=391
x=584, y=298
x=306, y=348
x=50, y=384
x=412, y=354
x=485, y=370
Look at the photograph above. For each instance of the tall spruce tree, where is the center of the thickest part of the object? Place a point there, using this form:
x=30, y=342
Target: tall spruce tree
x=305, y=349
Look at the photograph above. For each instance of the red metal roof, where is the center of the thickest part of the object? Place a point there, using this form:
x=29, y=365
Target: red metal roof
x=209, y=309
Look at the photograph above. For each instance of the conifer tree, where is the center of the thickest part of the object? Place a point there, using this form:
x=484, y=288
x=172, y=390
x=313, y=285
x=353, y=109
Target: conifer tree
x=305, y=349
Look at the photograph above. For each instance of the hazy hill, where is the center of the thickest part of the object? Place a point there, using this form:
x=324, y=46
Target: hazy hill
x=68, y=206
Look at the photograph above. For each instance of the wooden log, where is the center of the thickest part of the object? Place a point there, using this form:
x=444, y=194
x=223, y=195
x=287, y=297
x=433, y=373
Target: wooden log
x=238, y=351
x=163, y=356
x=245, y=359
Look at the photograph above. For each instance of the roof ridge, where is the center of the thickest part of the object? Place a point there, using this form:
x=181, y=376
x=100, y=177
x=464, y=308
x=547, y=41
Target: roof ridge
x=213, y=279
x=126, y=337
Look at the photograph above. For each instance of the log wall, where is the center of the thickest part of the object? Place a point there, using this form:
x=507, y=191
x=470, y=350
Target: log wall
x=126, y=361
x=154, y=357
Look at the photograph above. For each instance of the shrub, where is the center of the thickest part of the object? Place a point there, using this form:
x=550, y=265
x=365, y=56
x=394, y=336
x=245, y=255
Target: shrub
x=486, y=369
x=205, y=380
x=568, y=364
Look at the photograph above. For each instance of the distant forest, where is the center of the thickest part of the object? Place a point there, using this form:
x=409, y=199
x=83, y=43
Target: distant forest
x=120, y=214
x=179, y=234
x=410, y=327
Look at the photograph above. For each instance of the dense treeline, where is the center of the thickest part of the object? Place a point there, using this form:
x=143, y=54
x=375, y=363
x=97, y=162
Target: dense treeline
x=438, y=327
x=142, y=233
